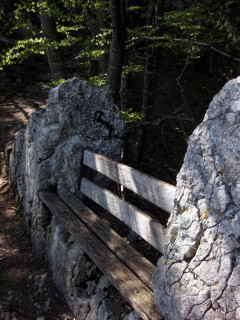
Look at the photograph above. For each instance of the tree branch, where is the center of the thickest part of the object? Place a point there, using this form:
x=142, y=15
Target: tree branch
x=7, y=41
x=164, y=118
x=158, y=121
x=189, y=41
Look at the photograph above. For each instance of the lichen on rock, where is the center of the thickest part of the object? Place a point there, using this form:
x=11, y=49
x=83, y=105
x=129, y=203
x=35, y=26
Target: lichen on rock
x=199, y=275
x=47, y=155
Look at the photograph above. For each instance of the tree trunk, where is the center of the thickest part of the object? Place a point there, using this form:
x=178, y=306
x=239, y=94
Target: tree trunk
x=155, y=14
x=54, y=55
x=152, y=57
x=102, y=18
x=117, y=48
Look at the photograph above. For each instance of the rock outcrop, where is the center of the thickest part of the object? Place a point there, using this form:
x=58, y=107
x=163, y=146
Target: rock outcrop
x=47, y=155
x=199, y=275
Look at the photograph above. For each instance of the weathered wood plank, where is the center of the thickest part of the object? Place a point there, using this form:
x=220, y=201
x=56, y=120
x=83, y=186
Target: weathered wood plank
x=133, y=290
x=155, y=191
x=146, y=227
x=139, y=265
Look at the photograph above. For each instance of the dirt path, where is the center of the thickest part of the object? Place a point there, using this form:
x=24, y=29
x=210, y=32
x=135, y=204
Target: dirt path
x=16, y=105
x=26, y=286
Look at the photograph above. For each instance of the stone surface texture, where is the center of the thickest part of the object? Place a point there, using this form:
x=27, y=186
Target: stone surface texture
x=199, y=275
x=47, y=155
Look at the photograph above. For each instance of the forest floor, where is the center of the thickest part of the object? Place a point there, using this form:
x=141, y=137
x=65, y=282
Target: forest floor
x=27, y=291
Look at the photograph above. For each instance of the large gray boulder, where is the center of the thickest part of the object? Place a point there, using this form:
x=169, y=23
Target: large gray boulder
x=199, y=275
x=47, y=155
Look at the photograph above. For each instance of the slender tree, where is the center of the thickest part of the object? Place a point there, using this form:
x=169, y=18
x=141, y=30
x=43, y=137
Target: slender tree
x=117, y=48
x=49, y=29
x=155, y=14
x=154, y=17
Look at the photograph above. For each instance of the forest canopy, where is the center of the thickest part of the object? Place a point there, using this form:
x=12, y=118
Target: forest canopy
x=130, y=47
x=83, y=29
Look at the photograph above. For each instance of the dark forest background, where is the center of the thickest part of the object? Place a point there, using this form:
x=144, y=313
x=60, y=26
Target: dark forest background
x=162, y=60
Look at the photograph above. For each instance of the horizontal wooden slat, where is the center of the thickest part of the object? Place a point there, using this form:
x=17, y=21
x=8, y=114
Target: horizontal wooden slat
x=146, y=227
x=133, y=290
x=156, y=191
x=137, y=263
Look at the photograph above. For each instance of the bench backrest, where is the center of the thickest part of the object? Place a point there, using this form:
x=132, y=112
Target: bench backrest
x=155, y=191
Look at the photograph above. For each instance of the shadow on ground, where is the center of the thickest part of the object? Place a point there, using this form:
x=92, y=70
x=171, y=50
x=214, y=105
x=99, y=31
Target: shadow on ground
x=27, y=289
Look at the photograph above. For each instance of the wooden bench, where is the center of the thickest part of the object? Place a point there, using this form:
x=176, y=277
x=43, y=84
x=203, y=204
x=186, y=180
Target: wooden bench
x=127, y=269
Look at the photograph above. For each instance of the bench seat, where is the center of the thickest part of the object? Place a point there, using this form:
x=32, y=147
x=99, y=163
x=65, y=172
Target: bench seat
x=127, y=269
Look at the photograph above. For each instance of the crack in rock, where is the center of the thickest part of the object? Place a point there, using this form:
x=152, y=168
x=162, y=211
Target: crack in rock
x=195, y=278
x=47, y=155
